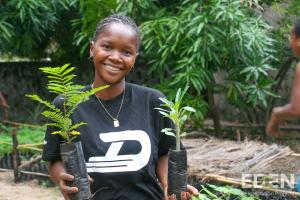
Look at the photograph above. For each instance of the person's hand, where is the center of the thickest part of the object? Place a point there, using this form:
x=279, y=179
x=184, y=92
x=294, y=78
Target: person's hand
x=191, y=191
x=66, y=190
x=273, y=125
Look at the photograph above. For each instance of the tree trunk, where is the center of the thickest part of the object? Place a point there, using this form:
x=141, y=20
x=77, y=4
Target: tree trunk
x=214, y=112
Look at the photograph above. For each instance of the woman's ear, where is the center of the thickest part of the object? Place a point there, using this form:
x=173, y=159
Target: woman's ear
x=91, y=48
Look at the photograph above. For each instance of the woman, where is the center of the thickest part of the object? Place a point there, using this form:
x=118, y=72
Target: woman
x=291, y=110
x=124, y=149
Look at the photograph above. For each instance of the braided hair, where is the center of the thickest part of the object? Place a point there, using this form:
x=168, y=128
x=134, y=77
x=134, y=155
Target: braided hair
x=120, y=19
x=297, y=29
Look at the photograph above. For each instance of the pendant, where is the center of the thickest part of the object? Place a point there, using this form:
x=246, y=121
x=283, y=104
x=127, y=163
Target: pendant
x=116, y=123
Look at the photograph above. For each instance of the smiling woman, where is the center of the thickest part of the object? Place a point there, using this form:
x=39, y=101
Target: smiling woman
x=114, y=52
x=125, y=152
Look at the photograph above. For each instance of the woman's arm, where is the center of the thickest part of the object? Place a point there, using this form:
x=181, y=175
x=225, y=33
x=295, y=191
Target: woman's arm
x=162, y=173
x=289, y=111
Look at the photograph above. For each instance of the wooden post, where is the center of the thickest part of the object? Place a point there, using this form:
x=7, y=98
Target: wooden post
x=214, y=111
x=15, y=155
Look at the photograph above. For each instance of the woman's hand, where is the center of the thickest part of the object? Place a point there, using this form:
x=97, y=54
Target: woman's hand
x=273, y=125
x=191, y=191
x=66, y=190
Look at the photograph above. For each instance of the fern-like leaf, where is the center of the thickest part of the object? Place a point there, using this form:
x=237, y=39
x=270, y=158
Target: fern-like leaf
x=68, y=71
x=46, y=103
x=58, y=118
x=57, y=125
x=60, y=82
x=75, y=126
x=74, y=100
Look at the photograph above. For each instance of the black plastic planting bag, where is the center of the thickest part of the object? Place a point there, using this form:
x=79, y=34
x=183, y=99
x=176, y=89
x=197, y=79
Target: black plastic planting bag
x=177, y=172
x=74, y=163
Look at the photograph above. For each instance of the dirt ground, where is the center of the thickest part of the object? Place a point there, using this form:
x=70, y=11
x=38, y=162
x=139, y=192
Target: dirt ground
x=29, y=190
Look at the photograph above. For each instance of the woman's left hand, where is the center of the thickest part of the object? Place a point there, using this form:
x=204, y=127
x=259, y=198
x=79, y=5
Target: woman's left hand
x=191, y=191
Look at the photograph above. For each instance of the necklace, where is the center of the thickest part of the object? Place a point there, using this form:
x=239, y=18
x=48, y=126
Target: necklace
x=115, y=119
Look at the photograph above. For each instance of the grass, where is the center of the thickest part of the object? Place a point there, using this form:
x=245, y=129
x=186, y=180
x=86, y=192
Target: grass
x=25, y=135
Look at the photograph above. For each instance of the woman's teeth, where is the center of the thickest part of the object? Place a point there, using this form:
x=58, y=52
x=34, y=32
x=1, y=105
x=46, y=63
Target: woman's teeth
x=111, y=68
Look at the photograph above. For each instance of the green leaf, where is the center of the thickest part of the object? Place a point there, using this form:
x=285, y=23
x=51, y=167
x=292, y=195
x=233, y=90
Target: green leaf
x=188, y=108
x=167, y=131
x=210, y=193
x=178, y=95
x=75, y=126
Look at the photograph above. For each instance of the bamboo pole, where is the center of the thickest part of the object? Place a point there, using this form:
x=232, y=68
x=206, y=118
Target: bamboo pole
x=20, y=124
x=32, y=148
x=35, y=173
x=5, y=170
x=31, y=145
x=30, y=162
x=26, y=146
x=26, y=172
x=8, y=143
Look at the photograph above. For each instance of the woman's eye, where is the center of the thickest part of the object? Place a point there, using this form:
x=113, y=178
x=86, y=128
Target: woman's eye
x=106, y=47
x=127, y=53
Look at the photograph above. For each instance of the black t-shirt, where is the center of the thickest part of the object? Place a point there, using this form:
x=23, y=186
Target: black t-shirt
x=121, y=159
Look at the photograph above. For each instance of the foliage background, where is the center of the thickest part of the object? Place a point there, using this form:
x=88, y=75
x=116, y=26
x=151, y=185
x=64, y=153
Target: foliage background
x=185, y=42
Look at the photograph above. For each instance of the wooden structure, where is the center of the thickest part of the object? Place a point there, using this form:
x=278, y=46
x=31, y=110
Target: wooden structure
x=18, y=166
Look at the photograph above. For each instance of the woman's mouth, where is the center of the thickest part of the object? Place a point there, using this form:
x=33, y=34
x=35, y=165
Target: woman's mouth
x=112, y=68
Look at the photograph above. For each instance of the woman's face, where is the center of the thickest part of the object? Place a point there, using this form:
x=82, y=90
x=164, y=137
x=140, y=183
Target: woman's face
x=295, y=43
x=114, y=53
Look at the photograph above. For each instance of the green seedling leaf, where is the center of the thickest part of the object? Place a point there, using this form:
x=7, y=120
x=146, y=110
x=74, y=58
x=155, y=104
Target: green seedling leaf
x=178, y=95
x=167, y=131
x=188, y=108
x=176, y=113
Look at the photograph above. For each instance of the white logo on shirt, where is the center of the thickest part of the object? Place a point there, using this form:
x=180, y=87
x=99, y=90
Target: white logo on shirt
x=112, y=162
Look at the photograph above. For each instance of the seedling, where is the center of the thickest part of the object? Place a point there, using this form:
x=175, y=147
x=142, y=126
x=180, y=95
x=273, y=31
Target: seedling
x=177, y=114
x=177, y=163
x=70, y=96
x=60, y=83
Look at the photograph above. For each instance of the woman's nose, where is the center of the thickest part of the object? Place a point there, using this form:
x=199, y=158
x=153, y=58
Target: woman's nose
x=115, y=56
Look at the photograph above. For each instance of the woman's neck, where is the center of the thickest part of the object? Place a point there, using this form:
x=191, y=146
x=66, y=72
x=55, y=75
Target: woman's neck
x=111, y=92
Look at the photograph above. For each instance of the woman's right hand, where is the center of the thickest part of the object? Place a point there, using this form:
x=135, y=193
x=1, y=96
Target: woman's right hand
x=62, y=183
